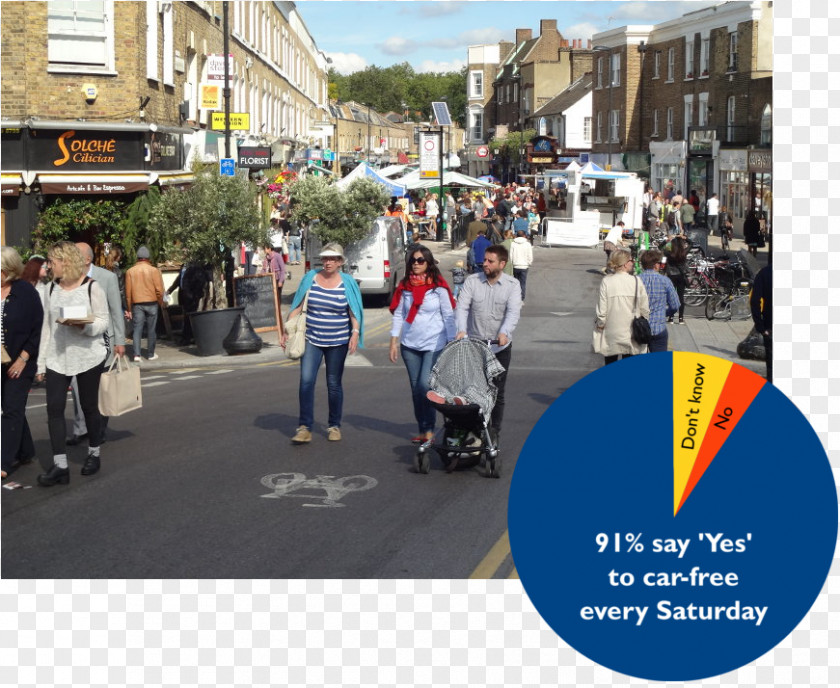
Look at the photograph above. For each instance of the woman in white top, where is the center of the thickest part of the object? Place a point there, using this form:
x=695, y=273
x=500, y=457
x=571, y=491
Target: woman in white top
x=68, y=349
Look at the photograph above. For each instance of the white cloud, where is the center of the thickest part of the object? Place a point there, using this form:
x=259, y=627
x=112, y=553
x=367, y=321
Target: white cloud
x=485, y=36
x=435, y=66
x=583, y=30
x=438, y=9
x=347, y=63
x=397, y=45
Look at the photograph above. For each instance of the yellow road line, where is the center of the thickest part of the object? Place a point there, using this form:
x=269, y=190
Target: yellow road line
x=376, y=330
x=494, y=559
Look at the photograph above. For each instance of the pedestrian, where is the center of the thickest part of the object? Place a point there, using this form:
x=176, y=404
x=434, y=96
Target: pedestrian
x=620, y=294
x=676, y=269
x=542, y=207
x=275, y=264
x=672, y=220
x=725, y=223
x=459, y=274
x=613, y=242
x=21, y=320
x=488, y=309
x=144, y=294
x=35, y=271
x=507, y=242
x=752, y=232
x=521, y=256
x=687, y=216
x=334, y=324
x=475, y=256
x=761, y=305
x=423, y=322
x=663, y=300
x=71, y=348
x=520, y=222
x=114, y=337
x=432, y=210
x=655, y=212
x=694, y=200
x=192, y=283
x=712, y=208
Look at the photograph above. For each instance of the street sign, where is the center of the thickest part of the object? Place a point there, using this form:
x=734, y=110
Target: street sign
x=429, y=154
x=482, y=151
x=238, y=120
x=227, y=167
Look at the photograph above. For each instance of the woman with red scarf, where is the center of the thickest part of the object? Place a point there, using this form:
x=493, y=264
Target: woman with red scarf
x=423, y=323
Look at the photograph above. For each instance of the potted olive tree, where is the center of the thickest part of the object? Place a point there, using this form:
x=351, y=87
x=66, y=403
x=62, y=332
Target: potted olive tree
x=208, y=220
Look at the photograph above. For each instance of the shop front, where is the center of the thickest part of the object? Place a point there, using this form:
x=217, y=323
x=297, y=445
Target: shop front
x=703, y=151
x=735, y=186
x=760, y=167
x=667, y=164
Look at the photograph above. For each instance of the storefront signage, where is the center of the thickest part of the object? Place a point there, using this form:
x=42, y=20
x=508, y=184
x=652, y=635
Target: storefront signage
x=92, y=187
x=540, y=159
x=429, y=155
x=238, y=120
x=164, y=151
x=760, y=161
x=732, y=160
x=210, y=96
x=92, y=150
x=253, y=157
x=11, y=148
x=216, y=68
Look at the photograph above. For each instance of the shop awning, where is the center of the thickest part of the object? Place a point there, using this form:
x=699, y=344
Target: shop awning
x=93, y=183
x=10, y=184
x=175, y=179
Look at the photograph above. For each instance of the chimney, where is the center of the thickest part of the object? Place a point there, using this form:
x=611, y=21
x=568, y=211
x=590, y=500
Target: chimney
x=523, y=35
x=547, y=26
x=589, y=44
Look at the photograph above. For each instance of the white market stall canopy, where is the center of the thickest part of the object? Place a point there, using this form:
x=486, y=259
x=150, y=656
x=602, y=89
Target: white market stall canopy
x=414, y=181
x=593, y=171
x=393, y=170
x=395, y=188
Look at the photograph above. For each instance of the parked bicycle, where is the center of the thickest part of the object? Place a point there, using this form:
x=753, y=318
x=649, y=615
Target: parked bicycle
x=731, y=299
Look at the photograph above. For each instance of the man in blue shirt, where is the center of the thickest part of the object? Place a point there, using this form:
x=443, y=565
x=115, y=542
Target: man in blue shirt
x=477, y=249
x=662, y=297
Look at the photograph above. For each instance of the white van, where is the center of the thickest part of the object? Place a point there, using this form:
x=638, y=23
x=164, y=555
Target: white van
x=377, y=262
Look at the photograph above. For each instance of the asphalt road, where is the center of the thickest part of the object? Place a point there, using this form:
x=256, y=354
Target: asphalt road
x=204, y=483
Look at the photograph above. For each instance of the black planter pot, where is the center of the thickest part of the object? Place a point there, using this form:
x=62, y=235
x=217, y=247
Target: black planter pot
x=211, y=327
x=242, y=339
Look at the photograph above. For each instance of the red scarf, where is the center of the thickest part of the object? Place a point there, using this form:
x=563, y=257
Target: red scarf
x=418, y=285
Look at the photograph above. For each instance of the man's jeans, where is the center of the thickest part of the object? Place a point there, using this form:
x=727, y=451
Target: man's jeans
x=144, y=314
x=659, y=342
x=419, y=366
x=334, y=357
x=294, y=248
x=522, y=276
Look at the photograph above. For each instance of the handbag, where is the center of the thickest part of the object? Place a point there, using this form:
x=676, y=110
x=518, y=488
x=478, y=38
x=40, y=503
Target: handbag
x=640, y=327
x=119, y=388
x=296, y=331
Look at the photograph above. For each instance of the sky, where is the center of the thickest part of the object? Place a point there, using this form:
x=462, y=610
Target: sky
x=433, y=36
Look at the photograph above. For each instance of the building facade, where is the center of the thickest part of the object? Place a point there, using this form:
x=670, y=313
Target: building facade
x=106, y=98
x=688, y=103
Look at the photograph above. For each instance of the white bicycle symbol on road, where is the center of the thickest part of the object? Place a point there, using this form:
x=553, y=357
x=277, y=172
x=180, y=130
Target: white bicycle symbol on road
x=334, y=489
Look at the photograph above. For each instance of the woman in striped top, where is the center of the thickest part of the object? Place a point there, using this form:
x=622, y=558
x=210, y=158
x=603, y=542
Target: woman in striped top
x=334, y=321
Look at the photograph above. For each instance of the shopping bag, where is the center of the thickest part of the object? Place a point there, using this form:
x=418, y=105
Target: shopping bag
x=119, y=388
x=296, y=331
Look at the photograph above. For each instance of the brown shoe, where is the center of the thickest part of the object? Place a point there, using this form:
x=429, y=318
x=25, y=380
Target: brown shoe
x=333, y=434
x=302, y=435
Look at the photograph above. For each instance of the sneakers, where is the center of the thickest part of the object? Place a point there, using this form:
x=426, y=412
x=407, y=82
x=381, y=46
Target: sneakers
x=153, y=358
x=136, y=359
x=333, y=434
x=302, y=435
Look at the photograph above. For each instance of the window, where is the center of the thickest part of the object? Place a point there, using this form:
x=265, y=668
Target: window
x=733, y=51
x=655, y=131
x=80, y=35
x=730, y=119
x=587, y=129
x=168, y=46
x=689, y=115
x=600, y=82
x=476, y=124
x=669, y=126
x=704, y=57
x=703, y=112
x=615, y=70
x=151, y=41
x=657, y=56
x=614, y=115
x=516, y=93
x=598, y=129
x=670, y=64
x=767, y=126
x=476, y=85
x=689, y=58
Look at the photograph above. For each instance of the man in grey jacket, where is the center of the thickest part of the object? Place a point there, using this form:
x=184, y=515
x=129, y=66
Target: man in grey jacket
x=115, y=334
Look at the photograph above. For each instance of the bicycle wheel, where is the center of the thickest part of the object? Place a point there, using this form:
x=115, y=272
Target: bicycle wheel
x=696, y=291
x=716, y=306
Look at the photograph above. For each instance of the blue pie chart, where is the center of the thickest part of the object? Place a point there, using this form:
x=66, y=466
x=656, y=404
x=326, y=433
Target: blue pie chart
x=673, y=516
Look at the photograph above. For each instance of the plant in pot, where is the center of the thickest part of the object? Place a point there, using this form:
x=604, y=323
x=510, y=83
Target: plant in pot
x=208, y=220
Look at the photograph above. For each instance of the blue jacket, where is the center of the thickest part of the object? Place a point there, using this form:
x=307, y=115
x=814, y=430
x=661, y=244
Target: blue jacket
x=351, y=289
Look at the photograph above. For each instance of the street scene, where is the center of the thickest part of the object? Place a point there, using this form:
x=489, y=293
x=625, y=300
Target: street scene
x=174, y=238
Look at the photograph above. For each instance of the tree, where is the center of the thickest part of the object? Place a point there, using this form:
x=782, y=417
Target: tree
x=333, y=214
x=208, y=220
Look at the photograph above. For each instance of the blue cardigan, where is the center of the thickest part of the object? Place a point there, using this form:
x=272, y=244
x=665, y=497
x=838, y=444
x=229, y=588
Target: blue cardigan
x=351, y=289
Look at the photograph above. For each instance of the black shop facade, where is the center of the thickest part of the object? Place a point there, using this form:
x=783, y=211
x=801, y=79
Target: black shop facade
x=41, y=161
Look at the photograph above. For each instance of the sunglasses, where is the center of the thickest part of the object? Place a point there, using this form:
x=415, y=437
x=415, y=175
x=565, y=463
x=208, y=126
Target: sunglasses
x=419, y=261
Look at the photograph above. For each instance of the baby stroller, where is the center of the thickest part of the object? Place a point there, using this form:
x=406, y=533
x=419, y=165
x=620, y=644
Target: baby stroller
x=462, y=389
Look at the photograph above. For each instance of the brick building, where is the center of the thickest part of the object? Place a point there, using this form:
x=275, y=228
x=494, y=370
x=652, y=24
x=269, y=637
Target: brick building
x=689, y=102
x=144, y=79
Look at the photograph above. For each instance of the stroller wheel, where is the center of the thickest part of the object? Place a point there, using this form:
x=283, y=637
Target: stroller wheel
x=493, y=468
x=422, y=462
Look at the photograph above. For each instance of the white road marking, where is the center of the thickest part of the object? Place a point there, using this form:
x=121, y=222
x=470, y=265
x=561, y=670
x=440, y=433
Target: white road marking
x=185, y=370
x=287, y=484
x=156, y=384
x=561, y=314
x=154, y=377
x=220, y=372
x=190, y=377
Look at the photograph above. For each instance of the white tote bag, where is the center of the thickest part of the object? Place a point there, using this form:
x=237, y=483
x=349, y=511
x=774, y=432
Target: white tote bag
x=119, y=388
x=296, y=331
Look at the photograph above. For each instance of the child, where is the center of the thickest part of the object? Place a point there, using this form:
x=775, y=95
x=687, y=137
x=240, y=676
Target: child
x=458, y=277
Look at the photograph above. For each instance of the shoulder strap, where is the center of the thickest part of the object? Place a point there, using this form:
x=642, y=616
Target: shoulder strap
x=636, y=299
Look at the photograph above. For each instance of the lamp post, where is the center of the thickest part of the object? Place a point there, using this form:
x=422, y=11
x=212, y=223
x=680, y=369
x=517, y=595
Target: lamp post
x=367, y=155
x=603, y=48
